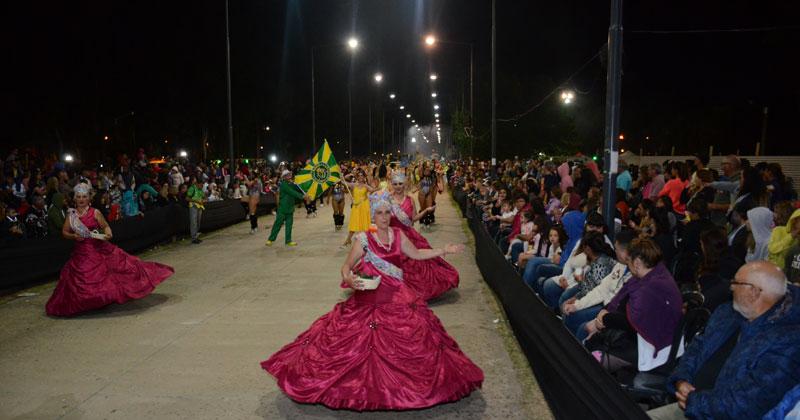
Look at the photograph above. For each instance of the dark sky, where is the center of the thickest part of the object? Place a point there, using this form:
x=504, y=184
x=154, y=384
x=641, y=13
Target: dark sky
x=73, y=69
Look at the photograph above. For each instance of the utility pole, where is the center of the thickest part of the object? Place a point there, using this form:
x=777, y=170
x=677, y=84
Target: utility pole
x=228, y=72
x=613, y=98
x=494, y=87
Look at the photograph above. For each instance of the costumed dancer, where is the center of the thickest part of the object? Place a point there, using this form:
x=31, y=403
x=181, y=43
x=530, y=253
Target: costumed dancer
x=311, y=207
x=254, y=188
x=381, y=349
x=359, y=209
x=289, y=195
x=98, y=273
x=337, y=202
x=429, y=278
x=426, y=192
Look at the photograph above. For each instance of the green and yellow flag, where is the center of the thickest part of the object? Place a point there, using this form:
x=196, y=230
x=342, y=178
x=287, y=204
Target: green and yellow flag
x=320, y=174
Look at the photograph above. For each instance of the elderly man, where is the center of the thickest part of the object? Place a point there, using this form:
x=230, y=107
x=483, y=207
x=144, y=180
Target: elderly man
x=749, y=356
x=727, y=189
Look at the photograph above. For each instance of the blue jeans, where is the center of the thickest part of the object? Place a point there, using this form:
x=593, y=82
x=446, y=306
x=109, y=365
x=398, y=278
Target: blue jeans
x=537, y=268
x=516, y=249
x=576, y=321
x=551, y=292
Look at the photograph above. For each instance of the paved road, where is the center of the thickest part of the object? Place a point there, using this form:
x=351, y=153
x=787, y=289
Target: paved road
x=192, y=348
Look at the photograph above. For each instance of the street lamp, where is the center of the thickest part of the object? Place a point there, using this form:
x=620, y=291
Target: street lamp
x=430, y=40
x=183, y=153
x=352, y=43
x=567, y=97
x=402, y=107
x=378, y=77
x=436, y=107
x=273, y=158
x=433, y=95
x=392, y=96
x=408, y=115
x=434, y=76
x=413, y=139
x=68, y=158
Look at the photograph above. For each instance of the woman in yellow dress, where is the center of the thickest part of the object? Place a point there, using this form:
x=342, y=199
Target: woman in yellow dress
x=359, y=210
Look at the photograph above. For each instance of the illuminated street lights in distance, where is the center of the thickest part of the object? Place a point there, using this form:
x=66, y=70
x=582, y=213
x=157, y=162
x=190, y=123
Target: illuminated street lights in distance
x=433, y=95
x=392, y=96
x=430, y=40
x=433, y=77
x=68, y=158
x=183, y=153
x=378, y=77
x=352, y=43
x=273, y=158
x=402, y=107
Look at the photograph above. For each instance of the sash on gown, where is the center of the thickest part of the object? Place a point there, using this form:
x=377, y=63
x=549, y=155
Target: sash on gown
x=379, y=263
x=77, y=225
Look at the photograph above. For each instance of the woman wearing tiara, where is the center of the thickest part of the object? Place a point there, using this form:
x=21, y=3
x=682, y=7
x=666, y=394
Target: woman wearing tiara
x=381, y=349
x=429, y=278
x=98, y=273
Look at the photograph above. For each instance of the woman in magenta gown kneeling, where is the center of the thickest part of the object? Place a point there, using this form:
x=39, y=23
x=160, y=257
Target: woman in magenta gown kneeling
x=98, y=273
x=431, y=277
x=381, y=349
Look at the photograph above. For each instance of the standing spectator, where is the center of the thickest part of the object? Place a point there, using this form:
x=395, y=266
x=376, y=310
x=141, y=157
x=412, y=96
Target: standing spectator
x=749, y=355
x=656, y=183
x=731, y=173
x=675, y=186
x=175, y=177
x=56, y=215
x=566, y=179
x=197, y=200
x=624, y=179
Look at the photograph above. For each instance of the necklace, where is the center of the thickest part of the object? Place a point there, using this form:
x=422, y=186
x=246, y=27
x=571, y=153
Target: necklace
x=78, y=211
x=388, y=246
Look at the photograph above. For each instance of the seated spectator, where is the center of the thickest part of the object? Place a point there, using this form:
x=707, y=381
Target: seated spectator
x=749, y=355
x=688, y=256
x=578, y=311
x=646, y=310
x=146, y=201
x=717, y=268
x=538, y=269
x=737, y=238
x=782, y=240
x=539, y=245
x=664, y=202
x=11, y=227
x=700, y=187
x=663, y=237
x=599, y=263
x=551, y=289
x=622, y=206
x=36, y=219
x=788, y=408
x=675, y=186
x=520, y=205
x=526, y=234
x=759, y=224
x=129, y=205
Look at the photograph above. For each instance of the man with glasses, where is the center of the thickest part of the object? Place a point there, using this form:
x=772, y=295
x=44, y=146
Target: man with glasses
x=749, y=355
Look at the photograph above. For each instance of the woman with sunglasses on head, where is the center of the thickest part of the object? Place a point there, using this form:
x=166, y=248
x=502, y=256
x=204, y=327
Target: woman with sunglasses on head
x=429, y=278
x=382, y=348
x=98, y=273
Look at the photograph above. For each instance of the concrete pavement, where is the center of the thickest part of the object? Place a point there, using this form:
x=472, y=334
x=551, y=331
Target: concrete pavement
x=192, y=348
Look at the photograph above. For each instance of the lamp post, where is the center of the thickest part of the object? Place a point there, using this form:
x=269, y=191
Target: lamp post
x=228, y=79
x=613, y=98
x=352, y=44
x=430, y=42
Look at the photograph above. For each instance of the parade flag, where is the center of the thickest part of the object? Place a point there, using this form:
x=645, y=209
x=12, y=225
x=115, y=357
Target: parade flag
x=322, y=173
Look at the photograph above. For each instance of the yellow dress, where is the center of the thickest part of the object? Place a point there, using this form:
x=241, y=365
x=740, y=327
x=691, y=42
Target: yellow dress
x=359, y=213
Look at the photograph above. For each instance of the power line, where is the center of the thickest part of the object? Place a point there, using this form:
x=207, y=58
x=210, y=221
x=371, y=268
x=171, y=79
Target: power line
x=553, y=92
x=705, y=31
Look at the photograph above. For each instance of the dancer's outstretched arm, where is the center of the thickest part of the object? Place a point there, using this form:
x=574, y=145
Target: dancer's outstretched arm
x=425, y=254
x=356, y=252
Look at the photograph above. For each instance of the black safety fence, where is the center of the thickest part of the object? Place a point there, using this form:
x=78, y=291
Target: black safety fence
x=573, y=382
x=27, y=261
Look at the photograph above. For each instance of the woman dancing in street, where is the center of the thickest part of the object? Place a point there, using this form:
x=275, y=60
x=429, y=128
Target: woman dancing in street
x=381, y=349
x=359, y=209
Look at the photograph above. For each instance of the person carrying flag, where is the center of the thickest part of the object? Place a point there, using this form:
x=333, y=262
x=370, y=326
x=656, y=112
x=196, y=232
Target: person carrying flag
x=289, y=195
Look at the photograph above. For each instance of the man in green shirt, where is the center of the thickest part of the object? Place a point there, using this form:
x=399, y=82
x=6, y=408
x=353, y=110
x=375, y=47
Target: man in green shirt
x=197, y=200
x=288, y=196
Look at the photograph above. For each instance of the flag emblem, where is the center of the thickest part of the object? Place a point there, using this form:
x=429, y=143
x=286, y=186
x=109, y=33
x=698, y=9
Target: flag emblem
x=320, y=174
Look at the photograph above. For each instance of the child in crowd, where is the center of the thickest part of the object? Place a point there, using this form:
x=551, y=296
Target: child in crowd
x=539, y=243
x=526, y=229
x=554, y=204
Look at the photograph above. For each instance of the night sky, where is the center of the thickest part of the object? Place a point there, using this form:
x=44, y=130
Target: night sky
x=74, y=72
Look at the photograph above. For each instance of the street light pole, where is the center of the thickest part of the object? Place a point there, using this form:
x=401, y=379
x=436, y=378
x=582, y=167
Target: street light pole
x=613, y=97
x=313, y=108
x=228, y=78
x=471, y=99
x=494, y=87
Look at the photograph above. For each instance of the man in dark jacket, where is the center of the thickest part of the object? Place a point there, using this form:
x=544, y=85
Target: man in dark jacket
x=749, y=355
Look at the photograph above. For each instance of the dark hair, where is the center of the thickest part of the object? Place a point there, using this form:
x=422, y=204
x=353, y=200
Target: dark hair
x=537, y=206
x=661, y=219
x=595, y=219
x=597, y=243
x=704, y=159
x=556, y=192
x=541, y=222
x=646, y=250
x=682, y=169
x=667, y=202
x=625, y=237
x=562, y=235
x=705, y=175
x=621, y=195
x=753, y=184
x=528, y=215
x=699, y=207
x=715, y=244
x=519, y=195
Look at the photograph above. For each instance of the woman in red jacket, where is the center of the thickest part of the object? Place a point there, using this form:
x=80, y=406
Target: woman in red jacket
x=675, y=186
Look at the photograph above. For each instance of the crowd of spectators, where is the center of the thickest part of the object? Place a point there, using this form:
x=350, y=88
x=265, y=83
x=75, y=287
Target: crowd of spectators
x=690, y=243
x=36, y=189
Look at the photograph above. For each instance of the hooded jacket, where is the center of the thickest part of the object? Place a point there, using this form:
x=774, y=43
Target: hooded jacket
x=780, y=242
x=761, y=221
x=566, y=179
x=763, y=366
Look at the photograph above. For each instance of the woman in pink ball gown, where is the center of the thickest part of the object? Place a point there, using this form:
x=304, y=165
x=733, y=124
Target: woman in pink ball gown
x=381, y=349
x=429, y=278
x=98, y=273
